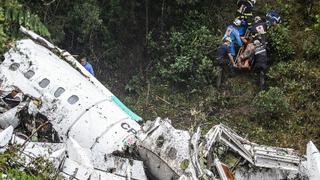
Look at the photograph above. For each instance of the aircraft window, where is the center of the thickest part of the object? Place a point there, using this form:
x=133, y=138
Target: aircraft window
x=73, y=99
x=14, y=66
x=29, y=74
x=44, y=83
x=59, y=91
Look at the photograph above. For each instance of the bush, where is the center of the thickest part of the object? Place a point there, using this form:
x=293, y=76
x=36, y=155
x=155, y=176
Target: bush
x=183, y=57
x=311, y=46
x=311, y=43
x=270, y=105
x=280, y=46
x=300, y=80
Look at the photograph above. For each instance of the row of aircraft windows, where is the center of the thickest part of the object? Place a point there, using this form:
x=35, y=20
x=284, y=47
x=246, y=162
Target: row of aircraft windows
x=44, y=83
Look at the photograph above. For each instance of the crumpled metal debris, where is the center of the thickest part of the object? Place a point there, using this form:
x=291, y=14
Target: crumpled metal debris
x=159, y=140
x=74, y=161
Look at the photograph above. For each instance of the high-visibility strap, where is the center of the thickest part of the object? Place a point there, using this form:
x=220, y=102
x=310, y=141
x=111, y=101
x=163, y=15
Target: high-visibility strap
x=261, y=51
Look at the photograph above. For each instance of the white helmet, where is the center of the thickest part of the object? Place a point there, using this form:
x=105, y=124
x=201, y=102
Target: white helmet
x=227, y=39
x=253, y=1
x=257, y=19
x=237, y=22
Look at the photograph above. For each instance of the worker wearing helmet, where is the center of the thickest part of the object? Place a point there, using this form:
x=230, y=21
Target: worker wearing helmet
x=260, y=58
x=259, y=29
x=223, y=52
x=244, y=12
x=245, y=6
x=233, y=33
x=272, y=18
x=223, y=57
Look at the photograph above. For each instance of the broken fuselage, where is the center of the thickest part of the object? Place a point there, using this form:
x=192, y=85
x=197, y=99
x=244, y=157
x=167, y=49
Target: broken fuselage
x=75, y=107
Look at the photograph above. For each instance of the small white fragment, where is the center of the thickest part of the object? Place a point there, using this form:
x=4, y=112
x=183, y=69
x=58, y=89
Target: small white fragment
x=5, y=136
x=58, y=154
x=9, y=118
x=313, y=161
x=78, y=154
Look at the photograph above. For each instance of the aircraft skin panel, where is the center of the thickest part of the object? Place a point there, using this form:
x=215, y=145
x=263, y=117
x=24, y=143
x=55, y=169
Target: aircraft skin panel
x=96, y=120
x=313, y=161
x=10, y=77
x=120, y=135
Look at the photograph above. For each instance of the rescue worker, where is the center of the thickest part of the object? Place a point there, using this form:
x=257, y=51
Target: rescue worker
x=87, y=65
x=258, y=30
x=233, y=33
x=223, y=57
x=260, y=58
x=272, y=18
x=244, y=13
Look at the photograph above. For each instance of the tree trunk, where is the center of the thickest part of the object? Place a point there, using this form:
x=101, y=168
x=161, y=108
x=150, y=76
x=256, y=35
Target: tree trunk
x=147, y=20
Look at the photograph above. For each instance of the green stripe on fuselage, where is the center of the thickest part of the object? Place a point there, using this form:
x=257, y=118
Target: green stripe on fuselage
x=132, y=115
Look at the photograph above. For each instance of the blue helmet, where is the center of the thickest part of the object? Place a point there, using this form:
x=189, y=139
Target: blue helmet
x=273, y=17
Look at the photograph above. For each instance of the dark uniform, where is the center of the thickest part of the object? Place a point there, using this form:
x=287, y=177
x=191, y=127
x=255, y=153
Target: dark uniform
x=260, y=64
x=259, y=31
x=244, y=12
x=222, y=59
x=260, y=58
x=222, y=55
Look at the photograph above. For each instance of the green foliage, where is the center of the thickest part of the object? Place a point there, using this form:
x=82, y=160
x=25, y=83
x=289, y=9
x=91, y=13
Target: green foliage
x=270, y=105
x=12, y=15
x=84, y=18
x=311, y=43
x=185, y=57
x=301, y=82
x=3, y=35
x=311, y=46
x=16, y=14
x=317, y=23
x=280, y=44
x=134, y=85
x=12, y=164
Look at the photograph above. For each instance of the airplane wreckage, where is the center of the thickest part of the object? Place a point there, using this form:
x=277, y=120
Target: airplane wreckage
x=87, y=133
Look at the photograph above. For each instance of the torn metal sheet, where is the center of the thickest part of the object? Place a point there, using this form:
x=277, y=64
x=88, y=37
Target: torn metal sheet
x=81, y=163
x=74, y=161
x=9, y=118
x=272, y=157
x=73, y=170
x=195, y=152
x=5, y=136
x=253, y=173
x=313, y=162
x=119, y=165
x=166, y=151
x=222, y=174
